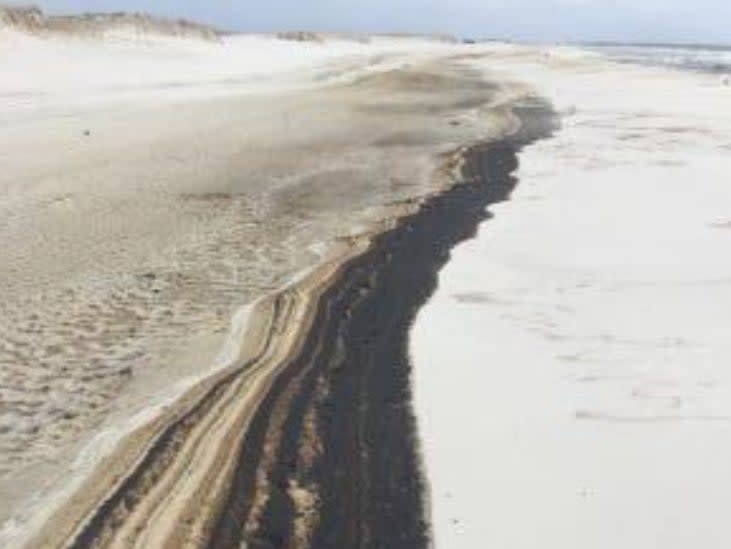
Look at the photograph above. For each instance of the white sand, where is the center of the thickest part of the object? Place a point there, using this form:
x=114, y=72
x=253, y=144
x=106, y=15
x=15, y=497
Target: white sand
x=572, y=372
x=40, y=74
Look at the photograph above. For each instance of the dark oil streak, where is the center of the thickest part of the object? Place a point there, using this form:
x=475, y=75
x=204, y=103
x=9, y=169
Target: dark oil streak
x=275, y=529
x=369, y=474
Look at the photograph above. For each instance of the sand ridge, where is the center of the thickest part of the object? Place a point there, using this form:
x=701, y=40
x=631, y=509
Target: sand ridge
x=100, y=25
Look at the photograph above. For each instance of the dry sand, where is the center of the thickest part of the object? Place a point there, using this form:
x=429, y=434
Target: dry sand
x=572, y=372
x=153, y=186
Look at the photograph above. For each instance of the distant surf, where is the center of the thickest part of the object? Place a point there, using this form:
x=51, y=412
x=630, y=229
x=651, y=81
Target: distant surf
x=707, y=58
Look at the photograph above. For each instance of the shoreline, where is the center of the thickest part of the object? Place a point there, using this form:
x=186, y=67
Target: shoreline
x=193, y=212
x=133, y=497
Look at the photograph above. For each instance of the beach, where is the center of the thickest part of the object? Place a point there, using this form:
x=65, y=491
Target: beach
x=157, y=200
x=331, y=290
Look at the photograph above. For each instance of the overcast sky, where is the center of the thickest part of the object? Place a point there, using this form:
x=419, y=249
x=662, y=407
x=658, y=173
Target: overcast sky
x=707, y=21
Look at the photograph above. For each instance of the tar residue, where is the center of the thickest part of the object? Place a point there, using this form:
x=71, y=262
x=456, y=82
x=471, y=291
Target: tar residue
x=351, y=386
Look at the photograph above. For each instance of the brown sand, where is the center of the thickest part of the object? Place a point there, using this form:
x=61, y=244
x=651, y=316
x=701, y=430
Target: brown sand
x=135, y=234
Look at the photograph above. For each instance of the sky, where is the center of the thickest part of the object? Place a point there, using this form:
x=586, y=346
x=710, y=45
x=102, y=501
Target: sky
x=699, y=21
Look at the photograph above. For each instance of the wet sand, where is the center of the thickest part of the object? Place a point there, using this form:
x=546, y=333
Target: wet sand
x=345, y=402
x=325, y=453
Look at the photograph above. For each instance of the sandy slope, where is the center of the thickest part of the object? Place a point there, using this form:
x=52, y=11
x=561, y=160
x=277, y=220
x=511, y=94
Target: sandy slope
x=572, y=371
x=151, y=187
x=41, y=72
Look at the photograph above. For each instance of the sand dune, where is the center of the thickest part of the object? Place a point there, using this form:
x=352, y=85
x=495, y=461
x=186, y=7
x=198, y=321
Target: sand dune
x=100, y=25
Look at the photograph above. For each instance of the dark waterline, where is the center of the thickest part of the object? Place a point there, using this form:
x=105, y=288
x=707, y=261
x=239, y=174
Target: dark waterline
x=351, y=383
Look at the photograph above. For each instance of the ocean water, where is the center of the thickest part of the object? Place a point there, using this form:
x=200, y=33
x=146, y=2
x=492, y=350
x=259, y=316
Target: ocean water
x=703, y=58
